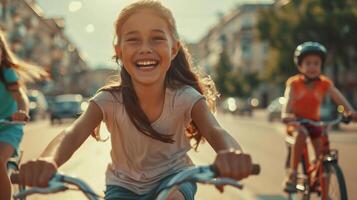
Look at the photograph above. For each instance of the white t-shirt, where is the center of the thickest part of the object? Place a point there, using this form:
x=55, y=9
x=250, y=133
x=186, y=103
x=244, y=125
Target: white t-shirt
x=139, y=162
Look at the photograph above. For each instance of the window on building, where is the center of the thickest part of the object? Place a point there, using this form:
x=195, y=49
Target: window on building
x=246, y=48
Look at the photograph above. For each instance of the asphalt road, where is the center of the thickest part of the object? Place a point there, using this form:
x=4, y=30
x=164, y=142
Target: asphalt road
x=262, y=139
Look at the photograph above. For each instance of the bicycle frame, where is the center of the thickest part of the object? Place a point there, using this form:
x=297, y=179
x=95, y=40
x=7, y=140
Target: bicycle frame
x=315, y=180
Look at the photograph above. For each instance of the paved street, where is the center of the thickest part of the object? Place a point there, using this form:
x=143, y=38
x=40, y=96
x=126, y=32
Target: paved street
x=263, y=140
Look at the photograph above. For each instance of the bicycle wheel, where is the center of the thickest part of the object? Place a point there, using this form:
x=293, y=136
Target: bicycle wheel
x=300, y=195
x=336, y=189
x=303, y=190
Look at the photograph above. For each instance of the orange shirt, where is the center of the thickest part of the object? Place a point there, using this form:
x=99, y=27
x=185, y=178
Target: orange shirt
x=305, y=101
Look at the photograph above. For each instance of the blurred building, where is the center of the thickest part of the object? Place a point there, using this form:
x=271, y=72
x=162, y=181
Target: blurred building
x=95, y=79
x=40, y=40
x=237, y=34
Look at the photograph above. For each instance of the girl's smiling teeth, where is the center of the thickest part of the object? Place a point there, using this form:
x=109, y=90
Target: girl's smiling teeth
x=146, y=63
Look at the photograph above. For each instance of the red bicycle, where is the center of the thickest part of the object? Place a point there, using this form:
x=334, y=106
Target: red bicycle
x=323, y=176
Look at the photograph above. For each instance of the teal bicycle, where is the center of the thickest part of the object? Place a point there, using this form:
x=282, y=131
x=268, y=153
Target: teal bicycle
x=198, y=174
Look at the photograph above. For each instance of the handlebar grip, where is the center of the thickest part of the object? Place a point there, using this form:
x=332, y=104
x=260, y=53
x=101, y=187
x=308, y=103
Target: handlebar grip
x=346, y=119
x=15, y=178
x=255, y=169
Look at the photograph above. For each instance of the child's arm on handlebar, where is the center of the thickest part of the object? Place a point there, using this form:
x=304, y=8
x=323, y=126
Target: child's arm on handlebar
x=230, y=156
x=339, y=99
x=61, y=148
x=22, y=113
x=286, y=114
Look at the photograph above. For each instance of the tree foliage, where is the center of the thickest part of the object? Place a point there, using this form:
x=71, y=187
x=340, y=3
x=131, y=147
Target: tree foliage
x=231, y=81
x=330, y=22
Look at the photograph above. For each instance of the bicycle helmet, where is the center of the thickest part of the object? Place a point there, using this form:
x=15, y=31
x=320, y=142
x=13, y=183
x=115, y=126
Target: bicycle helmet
x=308, y=48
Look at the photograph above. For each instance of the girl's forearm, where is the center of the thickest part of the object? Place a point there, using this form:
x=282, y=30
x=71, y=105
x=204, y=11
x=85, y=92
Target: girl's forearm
x=21, y=100
x=61, y=148
x=224, y=142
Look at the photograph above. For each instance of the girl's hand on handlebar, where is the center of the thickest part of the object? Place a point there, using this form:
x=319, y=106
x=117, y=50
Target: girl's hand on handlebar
x=37, y=172
x=233, y=164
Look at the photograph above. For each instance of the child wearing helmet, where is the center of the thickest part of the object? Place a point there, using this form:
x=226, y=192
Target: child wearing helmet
x=304, y=94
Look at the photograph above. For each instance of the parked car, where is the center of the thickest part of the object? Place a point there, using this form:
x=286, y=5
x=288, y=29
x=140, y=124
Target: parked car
x=274, y=109
x=68, y=106
x=38, y=105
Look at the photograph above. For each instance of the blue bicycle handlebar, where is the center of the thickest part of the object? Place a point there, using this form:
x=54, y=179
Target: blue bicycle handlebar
x=201, y=174
x=9, y=121
x=339, y=119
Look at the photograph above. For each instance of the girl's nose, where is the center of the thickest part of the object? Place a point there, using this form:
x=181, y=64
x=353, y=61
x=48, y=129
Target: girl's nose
x=146, y=48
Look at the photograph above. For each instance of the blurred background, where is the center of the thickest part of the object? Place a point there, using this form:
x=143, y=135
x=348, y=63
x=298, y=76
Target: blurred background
x=245, y=46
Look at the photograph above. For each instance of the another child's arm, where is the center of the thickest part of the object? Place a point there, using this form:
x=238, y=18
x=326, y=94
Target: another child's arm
x=61, y=148
x=230, y=156
x=286, y=112
x=18, y=94
x=339, y=99
x=22, y=101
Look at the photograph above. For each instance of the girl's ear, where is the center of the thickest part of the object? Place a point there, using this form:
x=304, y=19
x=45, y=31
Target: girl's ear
x=175, y=48
x=118, y=51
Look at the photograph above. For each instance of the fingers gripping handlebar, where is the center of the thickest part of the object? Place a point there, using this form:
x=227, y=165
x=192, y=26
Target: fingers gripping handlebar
x=255, y=169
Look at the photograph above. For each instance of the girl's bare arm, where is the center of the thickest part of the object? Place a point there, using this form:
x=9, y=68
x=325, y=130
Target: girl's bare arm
x=208, y=126
x=38, y=172
x=230, y=160
x=62, y=147
x=21, y=99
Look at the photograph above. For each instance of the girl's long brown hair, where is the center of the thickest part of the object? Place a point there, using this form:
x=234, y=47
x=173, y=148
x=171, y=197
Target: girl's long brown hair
x=27, y=72
x=179, y=74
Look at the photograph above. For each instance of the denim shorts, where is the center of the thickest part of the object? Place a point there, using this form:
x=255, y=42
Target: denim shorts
x=11, y=134
x=114, y=192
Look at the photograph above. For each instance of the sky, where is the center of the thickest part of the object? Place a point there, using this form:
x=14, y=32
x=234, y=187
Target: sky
x=89, y=24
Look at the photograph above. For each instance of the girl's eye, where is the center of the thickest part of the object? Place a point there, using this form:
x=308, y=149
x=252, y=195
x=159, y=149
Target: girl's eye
x=158, y=38
x=132, y=40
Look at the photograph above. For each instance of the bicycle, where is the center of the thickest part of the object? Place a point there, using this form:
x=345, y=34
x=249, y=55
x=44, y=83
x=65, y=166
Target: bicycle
x=200, y=174
x=323, y=176
x=14, y=161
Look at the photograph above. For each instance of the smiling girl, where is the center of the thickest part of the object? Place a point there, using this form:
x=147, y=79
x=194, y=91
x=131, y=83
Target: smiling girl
x=151, y=114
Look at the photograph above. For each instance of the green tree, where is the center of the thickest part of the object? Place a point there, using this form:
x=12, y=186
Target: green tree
x=233, y=82
x=330, y=22
x=247, y=82
x=223, y=76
